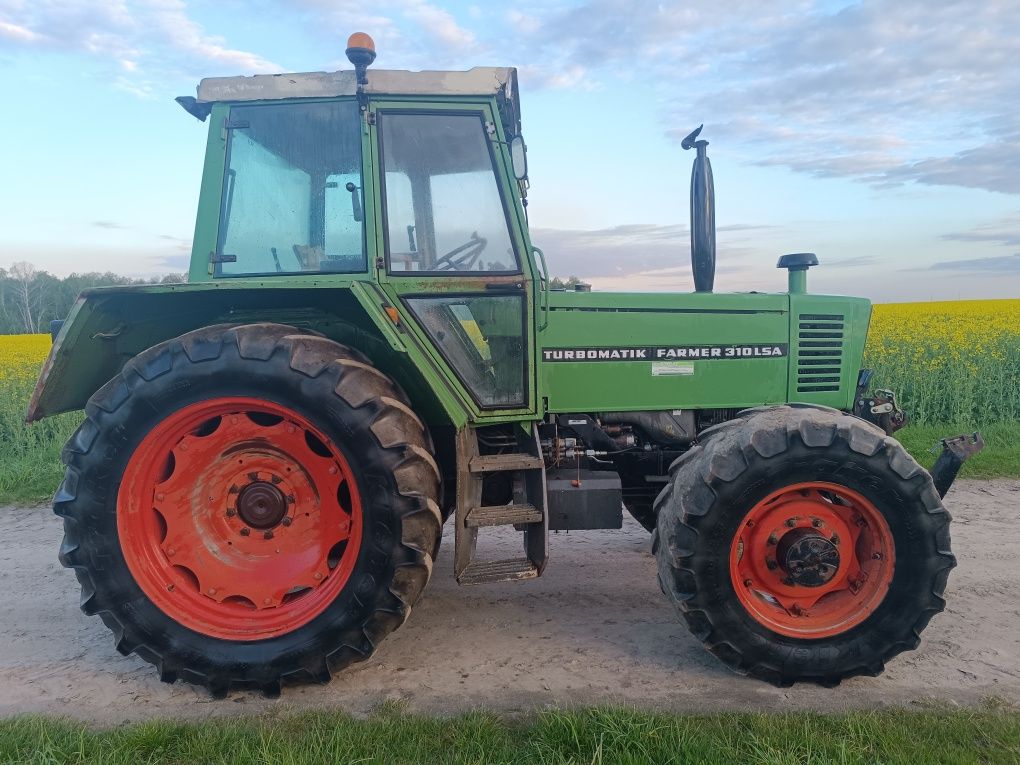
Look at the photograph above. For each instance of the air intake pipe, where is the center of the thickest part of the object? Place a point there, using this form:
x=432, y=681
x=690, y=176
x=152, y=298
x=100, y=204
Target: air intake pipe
x=702, y=214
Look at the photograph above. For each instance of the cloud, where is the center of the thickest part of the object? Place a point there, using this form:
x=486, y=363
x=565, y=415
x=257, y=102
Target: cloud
x=1003, y=264
x=641, y=250
x=885, y=91
x=108, y=224
x=143, y=41
x=1004, y=232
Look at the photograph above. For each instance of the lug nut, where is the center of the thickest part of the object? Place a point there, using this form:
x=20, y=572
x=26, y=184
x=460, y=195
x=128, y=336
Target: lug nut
x=212, y=590
x=318, y=575
x=287, y=521
x=231, y=512
x=771, y=564
x=275, y=479
x=773, y=539
x=791, y=522
x=750, y=524
x=816, y=523
x=268, y=535
x=245, y=532
x=877, y=556
x=747, y=583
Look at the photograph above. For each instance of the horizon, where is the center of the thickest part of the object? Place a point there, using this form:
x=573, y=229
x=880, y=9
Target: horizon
x=885, y=137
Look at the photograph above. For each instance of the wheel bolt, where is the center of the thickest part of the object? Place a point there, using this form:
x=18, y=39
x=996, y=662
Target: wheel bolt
x=791, y=522
x=816, y=523
x=287, y=521
x=171, y=552
x=212, y=590
x=771, y=564
x=275, y=479
x=834, y=539
x=318, y=575
x=773, y=539
x=290, y=499
x=332, y=469
x=750, y=524
x=877, y=556
x=231, y=512
x=245, y=532
x=268, y=535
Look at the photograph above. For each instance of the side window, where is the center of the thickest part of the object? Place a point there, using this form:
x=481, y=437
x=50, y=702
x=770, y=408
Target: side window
x=287, y=207
x=482, y=338
x=444, y=210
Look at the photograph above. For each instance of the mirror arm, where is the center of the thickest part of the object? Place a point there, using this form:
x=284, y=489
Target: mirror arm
x=545, y=289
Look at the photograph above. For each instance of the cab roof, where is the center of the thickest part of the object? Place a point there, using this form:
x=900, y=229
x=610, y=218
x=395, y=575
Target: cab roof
x=488, y=81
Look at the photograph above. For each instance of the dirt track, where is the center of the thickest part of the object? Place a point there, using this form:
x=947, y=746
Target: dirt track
x=593, y=629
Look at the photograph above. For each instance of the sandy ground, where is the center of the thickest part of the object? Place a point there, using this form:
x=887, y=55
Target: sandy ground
x=594, y=629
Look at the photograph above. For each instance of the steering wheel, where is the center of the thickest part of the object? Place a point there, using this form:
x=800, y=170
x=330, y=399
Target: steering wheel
x=462, y=258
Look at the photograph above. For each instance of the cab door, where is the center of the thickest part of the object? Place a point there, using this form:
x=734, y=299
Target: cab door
x=454, y=249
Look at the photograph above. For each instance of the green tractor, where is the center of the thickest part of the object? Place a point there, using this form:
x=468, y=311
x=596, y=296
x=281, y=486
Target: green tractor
x=369, y=343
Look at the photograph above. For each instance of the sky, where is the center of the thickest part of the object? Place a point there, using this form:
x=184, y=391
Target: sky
x=884, y=136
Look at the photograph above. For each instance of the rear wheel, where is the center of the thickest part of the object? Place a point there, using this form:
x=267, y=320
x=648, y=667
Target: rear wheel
x=245, y=505
x=802, y=544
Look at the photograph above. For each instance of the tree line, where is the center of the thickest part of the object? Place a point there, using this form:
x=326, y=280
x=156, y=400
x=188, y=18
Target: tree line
x=30, y=299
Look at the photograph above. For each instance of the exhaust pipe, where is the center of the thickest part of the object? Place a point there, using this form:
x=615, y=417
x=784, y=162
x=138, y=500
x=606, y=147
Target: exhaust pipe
x=702, y=214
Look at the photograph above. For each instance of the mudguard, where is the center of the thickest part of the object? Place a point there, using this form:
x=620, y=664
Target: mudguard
x=109, y=325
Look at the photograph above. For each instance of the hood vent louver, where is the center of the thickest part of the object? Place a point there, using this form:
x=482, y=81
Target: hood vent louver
x=819, y=352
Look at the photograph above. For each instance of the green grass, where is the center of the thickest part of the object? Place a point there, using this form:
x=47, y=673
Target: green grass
x=999, y=459
x=591, y=736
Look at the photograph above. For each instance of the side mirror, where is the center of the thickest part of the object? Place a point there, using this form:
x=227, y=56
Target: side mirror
x=519, y=157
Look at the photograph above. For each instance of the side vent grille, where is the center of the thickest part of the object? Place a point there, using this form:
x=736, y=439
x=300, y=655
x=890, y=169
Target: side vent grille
x=820, y=352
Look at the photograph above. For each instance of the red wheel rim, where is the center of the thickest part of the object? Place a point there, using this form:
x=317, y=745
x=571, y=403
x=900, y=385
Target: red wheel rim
x=239, y=518
x=812, y=560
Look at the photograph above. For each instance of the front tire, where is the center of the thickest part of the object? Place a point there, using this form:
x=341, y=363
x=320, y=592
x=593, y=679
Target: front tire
x=248, y=505
x=800, y=543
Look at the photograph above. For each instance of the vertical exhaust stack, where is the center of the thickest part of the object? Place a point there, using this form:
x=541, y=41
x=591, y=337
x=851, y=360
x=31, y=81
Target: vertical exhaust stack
x=702, y=214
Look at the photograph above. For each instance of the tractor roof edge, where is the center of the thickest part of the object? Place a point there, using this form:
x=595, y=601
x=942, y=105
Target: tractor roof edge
x=479, y=81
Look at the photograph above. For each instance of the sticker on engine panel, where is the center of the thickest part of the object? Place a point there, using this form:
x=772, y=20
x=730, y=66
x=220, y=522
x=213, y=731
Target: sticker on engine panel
x=668, y=353
x=671, y=369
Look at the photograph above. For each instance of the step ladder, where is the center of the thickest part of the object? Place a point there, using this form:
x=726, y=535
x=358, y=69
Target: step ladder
x=527, y=511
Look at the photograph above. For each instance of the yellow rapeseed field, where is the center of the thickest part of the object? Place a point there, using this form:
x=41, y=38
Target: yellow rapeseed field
x=952, y=362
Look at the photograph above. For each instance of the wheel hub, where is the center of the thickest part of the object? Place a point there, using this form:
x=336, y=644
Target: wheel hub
x=808, y=558
x=261, y=505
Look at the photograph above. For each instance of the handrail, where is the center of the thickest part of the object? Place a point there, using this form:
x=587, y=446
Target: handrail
x=545, y=289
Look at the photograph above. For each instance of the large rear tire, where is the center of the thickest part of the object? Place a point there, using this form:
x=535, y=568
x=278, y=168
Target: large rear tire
x=247, y=505
x=801, y=543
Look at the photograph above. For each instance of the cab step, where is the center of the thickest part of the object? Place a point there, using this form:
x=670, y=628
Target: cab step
x=520, y=477
x=503, y=515
x=495, y=463
x=511, y=570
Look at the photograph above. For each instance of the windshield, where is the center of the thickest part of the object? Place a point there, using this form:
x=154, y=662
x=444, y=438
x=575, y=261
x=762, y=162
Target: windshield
x=292, y=193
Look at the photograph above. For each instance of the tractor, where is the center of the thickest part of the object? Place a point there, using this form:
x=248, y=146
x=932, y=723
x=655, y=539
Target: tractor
x=369, y=344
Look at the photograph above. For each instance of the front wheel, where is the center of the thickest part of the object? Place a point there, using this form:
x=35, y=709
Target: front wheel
x=800, y=543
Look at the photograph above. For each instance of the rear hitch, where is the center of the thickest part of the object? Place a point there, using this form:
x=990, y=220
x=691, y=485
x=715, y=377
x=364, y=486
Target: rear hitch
x=955, y=451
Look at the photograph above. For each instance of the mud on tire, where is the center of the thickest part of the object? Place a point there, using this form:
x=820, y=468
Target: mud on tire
x=358, y=409
x=740, y=463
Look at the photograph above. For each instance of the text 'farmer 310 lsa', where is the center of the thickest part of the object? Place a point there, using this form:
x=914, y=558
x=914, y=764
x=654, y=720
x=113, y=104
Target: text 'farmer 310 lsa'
x=368, y=343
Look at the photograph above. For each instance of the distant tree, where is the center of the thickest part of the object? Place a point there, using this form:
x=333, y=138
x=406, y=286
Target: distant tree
x=558, y=283
x=30, y=298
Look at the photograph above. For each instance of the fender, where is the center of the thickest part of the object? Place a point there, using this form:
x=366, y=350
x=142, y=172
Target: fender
x=109, y=325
